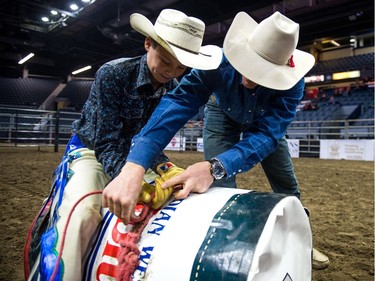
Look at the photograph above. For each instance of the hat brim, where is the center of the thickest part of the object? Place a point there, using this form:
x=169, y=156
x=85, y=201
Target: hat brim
x=254, y=67
x=209, y=57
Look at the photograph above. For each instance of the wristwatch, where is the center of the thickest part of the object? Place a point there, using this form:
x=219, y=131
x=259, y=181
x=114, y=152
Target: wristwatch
x=217, y=169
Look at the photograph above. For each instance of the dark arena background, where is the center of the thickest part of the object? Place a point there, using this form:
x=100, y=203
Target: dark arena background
x=331, y=139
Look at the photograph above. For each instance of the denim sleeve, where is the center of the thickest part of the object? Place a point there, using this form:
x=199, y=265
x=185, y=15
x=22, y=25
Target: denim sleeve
x=262, y=137
x=173, y=111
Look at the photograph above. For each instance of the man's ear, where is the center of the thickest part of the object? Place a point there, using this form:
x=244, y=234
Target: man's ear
x=147, y=44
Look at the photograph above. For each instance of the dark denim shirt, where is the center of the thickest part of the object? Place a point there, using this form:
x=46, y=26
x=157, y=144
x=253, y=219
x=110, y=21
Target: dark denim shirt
x=264, y=115
x=121, y=101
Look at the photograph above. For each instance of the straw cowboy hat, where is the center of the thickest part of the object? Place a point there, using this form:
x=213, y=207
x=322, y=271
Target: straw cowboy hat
x=180, y=35
x=266, y=53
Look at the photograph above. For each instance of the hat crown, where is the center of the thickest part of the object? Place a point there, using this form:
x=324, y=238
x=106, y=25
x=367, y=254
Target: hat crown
x=275, y=38
x=181, y=36
x=179, y=30
x=266, y=52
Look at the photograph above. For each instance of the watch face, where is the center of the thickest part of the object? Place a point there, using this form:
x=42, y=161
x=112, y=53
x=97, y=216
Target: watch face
x=217, y=170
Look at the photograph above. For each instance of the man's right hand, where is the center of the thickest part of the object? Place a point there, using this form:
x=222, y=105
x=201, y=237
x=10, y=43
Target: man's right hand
x=121, y=194
x=154, y=193
x=196, y=178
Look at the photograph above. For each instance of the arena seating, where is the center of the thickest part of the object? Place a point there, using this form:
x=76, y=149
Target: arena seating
x=363, y=62
x=363, y=97
x=358, y=104
x=77, y=92
x=25, y=92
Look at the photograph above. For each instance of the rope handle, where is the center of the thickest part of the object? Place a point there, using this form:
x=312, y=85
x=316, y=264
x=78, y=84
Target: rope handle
x=144, y=212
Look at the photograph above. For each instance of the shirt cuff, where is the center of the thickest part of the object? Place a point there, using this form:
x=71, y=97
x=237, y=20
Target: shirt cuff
x=143, y=152
x=235, y=163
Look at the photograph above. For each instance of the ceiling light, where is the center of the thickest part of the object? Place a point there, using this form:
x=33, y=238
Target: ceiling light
x=81, y=69
x=330, y=41
x=45, y=19
x=346, y=75
x=85, y=1
x=53, y=12
x=333, y=42
x=74, y=7
x=29, y=56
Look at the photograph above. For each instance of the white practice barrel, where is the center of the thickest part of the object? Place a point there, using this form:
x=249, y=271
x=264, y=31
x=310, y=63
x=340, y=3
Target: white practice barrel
x=223, y=234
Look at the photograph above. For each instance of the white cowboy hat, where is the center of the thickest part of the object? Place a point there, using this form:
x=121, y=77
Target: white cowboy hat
x=180, y=35
x=266, y=53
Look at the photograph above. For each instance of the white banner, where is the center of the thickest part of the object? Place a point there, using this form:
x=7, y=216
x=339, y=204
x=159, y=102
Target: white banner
x=176, y=144
x=293, y=146
x=200, y=144
x=347, y=149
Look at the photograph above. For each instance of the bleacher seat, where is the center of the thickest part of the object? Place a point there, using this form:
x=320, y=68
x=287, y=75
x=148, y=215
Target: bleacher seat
x=359, y=62
x=25, y=92
x=77, y=91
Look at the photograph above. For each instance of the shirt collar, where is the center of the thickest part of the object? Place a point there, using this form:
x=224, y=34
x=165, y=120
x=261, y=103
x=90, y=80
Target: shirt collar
x=144, y=77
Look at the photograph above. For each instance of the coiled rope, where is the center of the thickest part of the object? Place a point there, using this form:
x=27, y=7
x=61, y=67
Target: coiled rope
x=128, y=256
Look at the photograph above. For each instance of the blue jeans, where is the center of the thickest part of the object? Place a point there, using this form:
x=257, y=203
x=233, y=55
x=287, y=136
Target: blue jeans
x=220, y=133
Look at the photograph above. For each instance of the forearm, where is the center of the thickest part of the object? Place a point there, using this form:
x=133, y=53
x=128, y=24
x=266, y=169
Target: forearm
x=173, y=111
x=247, y=153
x=170, y=115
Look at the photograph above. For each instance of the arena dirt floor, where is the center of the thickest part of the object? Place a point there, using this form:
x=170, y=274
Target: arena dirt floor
x=339, y=194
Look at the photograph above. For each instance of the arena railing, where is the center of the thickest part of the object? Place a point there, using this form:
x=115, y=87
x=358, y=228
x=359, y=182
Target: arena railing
x=28, y=127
